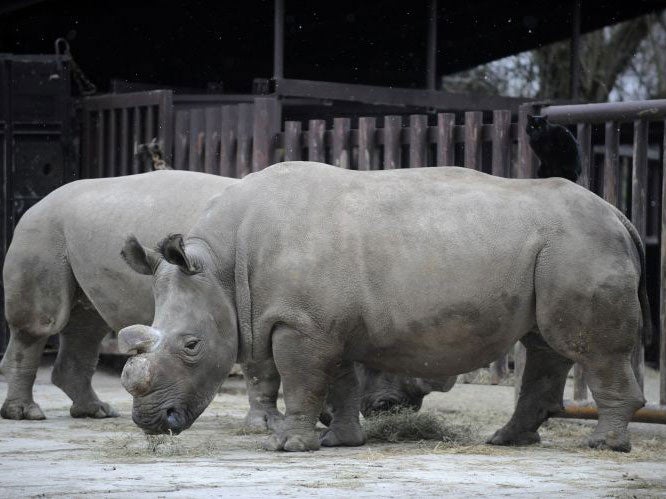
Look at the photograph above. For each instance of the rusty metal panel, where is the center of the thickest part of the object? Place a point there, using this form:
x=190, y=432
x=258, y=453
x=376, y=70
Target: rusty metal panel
x=611, y=162
x=293, y=150
x=367, y=144
x=213, y=119
x=445, y=140
x=228, y=141
x=473, y=122
x=196, y=139
x=181, y=139
x=392, y=142
x=244, y=141
x=265, y=127
x=501, y=140
x=316, y=150
x=418, y=136
x=662, y=302
x=342, y=152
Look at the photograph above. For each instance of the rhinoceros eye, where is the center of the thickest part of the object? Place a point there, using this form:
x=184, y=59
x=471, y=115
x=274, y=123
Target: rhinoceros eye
x=191, y=345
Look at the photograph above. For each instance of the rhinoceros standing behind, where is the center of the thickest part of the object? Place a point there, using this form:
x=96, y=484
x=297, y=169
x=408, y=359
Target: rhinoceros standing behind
x=63, y=274
x=429, y=272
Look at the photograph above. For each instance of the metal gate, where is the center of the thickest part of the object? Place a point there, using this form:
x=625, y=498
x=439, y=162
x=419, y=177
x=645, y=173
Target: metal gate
x=37, y=153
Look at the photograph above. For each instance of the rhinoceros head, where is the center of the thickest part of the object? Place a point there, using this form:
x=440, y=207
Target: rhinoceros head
x=384, y=391
x=178, y=363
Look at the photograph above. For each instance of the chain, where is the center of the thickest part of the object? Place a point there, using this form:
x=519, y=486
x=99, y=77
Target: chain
x=86, y=87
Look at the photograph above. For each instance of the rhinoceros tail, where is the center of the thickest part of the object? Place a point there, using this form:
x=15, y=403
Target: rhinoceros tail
x=642, y=286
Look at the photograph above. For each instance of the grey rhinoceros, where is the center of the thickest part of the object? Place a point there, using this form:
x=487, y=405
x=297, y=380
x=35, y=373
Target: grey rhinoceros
x=63, y=274
x=429, y=272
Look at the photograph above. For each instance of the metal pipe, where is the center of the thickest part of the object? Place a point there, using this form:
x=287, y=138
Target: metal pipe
x=588, y=410
x=431, y=56
x=610, y=111
x=662, y=322
x=574, y=61
x=278, y=40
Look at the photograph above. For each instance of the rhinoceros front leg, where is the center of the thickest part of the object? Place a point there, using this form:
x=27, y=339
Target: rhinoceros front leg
x=263, y=382
x=306, y=363
x=344, y=400
x=76, y=362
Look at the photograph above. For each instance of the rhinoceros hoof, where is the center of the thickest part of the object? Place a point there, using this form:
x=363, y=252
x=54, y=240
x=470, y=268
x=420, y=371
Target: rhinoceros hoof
x=508, y=437
x=612, y=440
x=292, y=442
x=16, y=409
x=338, y=437
x=261, y=420
x=97, y=410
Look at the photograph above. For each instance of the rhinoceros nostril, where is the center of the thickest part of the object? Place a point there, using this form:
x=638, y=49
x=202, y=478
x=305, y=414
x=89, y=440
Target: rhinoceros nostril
x=174, y=421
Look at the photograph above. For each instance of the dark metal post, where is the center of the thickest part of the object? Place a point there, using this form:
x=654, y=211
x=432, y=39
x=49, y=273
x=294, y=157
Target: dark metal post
x=574, y=62
x=278, y=40
x=431, y=56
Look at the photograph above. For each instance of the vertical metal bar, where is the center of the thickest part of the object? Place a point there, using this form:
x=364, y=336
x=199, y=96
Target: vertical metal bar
x=367, y=145
x=100, y=144
x=473, y=122
x=392, y=142
x=266, y=126
x=212, y=118
x=124, y=141
x=526, y=159
x=112, y=167
x=181, y=135
x=195, y=162
x=519, y=357
x=499, y=369
x=584, y=133
x=136, y=139
x=342, y=142
x=418, y=140
x=611, y=163
x=638, y=213
x=86, y=143
x=244, y=141
x=431, y=56
x=445, y=142
x=293, y=150
x=501, y=143
x=316, y=150
x=228, y=141
x=149, y=134
x=662, y=302
x=574, y=61
x=278, y=40
x=580, y=386
x=165, y=119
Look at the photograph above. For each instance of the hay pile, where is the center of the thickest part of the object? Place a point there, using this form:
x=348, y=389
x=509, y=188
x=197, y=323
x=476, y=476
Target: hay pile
x=405, y=425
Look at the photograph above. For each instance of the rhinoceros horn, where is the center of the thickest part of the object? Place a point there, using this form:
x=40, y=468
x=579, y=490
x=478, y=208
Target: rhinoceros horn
x=137, y=339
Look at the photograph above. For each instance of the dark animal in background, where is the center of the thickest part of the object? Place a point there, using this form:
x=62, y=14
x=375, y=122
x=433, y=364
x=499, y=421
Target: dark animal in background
x=556, y=148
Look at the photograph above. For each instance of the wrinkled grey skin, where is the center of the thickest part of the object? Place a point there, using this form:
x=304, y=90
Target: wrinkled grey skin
x=429, y=272
x=65, y=249
x=63, y=274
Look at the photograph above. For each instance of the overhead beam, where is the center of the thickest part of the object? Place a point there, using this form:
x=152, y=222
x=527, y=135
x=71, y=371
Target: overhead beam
x=431, y=56
x=278, y=40
x=574, y=61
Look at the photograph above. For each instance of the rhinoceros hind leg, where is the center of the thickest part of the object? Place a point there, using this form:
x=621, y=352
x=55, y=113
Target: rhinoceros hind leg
x=540, y=393
x=19, y=365
x=616, y=401
x=344, y=399
x=306, y=367
x=77, y=360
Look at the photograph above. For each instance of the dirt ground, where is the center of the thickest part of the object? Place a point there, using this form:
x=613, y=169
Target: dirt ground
x=62, y=456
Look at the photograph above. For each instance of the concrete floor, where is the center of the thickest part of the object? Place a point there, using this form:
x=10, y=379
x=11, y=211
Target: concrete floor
x=64, y=457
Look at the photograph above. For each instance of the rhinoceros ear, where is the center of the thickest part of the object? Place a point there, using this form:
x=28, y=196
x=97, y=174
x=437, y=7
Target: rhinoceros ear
x=172, y=249
x=141, y=259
